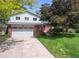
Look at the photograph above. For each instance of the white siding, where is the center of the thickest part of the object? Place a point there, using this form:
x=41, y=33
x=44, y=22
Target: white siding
x=22, y=18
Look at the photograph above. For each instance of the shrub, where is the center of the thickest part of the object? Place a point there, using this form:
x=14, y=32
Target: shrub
x=77, y=30
x=3, y=38
x=71, y=31
x=57, y=29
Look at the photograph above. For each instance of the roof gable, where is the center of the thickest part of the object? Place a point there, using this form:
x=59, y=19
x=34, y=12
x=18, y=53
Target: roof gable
x=25, y=13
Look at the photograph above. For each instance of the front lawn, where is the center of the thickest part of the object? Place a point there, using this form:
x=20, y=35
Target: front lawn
x=62, y=45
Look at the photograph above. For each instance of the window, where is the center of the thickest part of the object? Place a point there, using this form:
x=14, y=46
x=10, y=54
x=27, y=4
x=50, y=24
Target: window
x=26, y=18
x=17, y=18
x=35, y=19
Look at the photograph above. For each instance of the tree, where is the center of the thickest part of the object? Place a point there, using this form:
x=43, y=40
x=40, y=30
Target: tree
x=60, y=9
x=8, y=6
x=46, y=12
x=74, y=14
x=61, y=13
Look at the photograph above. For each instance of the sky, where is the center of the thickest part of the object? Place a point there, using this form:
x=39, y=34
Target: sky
x=38, y=5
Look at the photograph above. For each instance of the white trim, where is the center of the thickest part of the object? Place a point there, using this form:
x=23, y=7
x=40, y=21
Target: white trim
x=28, y=23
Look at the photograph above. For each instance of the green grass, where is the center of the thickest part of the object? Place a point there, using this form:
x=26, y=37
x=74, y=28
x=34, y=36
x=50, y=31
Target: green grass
x=62, y=45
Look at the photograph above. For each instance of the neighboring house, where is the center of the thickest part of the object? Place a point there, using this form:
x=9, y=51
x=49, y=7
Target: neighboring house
x=25, y=24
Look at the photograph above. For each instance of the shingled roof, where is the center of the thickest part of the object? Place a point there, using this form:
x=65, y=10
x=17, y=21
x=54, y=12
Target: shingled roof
x=25, y=12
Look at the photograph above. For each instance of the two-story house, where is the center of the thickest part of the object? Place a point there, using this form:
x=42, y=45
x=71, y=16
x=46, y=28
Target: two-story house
x=24, y=24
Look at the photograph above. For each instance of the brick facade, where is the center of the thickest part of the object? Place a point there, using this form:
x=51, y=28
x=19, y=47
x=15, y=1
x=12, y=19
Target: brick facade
x=37, y=30
x=9, y=30
x=41, y=29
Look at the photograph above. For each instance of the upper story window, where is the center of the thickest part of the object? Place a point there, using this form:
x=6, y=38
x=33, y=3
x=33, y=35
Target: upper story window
x=17, y=18
x=26, y=18
x=35, y=19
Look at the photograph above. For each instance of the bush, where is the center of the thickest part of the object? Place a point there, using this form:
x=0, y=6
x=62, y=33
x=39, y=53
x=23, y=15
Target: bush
x=57, y=30
x=71, y=30
x=77, y=30
x=3, y=38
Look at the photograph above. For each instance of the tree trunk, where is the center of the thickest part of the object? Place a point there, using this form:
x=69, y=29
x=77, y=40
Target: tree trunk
x=66, y=29
x=0, y=32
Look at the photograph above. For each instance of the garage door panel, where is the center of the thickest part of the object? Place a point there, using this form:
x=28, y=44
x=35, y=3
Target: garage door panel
x=18, y=30
x=22, y=32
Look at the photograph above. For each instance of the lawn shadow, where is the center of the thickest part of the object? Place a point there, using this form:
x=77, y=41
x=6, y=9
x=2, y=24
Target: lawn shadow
x=7, y=45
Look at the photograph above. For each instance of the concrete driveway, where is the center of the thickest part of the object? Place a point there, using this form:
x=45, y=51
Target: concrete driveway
x=27, y=48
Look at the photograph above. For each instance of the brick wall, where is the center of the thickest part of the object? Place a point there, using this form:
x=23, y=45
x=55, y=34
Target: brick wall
x=38, y=30
x=9, y=30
